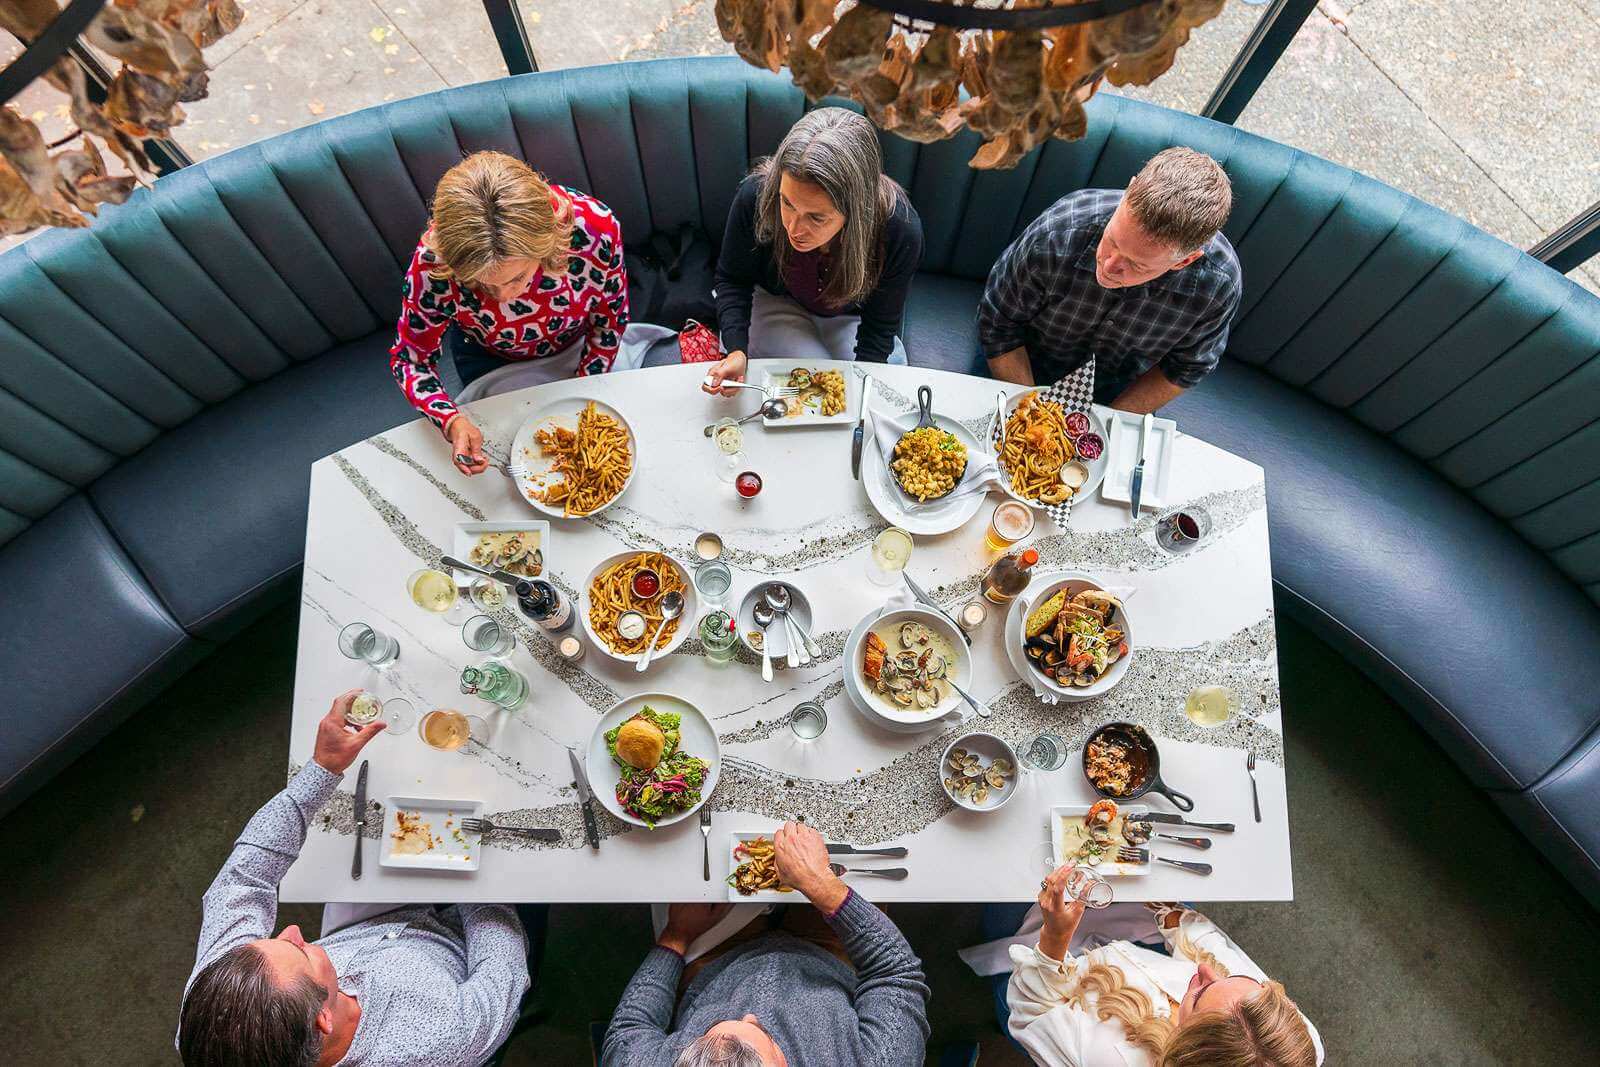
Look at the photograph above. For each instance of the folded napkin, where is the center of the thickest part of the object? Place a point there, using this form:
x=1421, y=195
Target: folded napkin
x=739, y=916
x=981, y=473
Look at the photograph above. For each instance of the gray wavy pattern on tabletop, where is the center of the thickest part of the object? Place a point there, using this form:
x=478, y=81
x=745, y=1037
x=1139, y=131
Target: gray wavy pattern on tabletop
x=592, y=692
x=627, y=526
x=389, y=448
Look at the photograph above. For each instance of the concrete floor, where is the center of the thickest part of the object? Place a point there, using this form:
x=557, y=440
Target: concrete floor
x=1483, y=107
x=1423, y=931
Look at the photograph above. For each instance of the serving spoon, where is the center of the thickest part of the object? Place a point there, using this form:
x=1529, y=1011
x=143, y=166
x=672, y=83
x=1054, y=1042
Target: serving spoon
x=778, y=598
x=671, y=608
x=775, y=408
x=762, y=612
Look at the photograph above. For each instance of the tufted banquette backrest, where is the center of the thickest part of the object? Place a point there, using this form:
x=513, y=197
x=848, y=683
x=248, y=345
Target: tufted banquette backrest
x=1461, y=349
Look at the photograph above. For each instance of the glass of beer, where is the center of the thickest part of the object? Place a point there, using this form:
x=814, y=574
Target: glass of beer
x=1010, y=523
x=449, y=730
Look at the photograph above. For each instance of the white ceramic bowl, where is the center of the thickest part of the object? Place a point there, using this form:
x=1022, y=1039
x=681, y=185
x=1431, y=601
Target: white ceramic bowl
x=686, y=622
x=777, y=633
x=960, y=668
x=989, y=747
x=1074, y=582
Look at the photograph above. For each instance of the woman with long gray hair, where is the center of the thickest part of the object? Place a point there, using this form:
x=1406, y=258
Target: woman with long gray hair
x=819, y=251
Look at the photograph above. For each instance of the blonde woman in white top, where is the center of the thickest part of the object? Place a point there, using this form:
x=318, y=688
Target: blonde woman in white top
x=1122, y=1004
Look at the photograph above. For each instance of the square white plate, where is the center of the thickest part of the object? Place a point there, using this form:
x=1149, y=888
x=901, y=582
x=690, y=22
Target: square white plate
x=775, y=372
x=467, y=534
x=1123, y=445
x=448, y=854
x=1062, y=812
x=766, y=896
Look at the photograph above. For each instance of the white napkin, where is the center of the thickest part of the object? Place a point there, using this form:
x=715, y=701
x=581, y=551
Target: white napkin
x=738, y=917
x=981, y=468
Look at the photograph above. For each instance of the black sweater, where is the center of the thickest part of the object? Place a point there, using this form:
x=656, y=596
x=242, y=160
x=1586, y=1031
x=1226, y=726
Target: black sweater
x=745, y=263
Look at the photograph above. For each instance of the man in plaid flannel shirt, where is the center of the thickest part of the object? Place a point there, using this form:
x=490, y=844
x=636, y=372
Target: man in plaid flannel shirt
x=1143, y=282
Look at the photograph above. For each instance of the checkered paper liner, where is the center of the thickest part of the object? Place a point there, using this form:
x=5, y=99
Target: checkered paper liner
x=1075, y=392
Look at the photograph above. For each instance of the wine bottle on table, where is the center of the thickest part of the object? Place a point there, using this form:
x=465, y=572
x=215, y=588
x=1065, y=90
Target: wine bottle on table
x=543, y=603
x=1009, y=576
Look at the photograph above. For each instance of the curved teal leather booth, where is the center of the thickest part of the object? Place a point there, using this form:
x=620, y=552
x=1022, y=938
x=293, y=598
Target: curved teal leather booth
x=1425, y=399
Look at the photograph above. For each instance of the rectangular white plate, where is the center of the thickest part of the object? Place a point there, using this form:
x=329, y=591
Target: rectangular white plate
x=1123, y=447
x=467, y=534
x=448, y=855
x=772, y=373
x=766, y=896
x=1062, y=812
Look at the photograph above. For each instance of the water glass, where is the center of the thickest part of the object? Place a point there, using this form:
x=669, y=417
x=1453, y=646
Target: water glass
x=712, y=580
x=1089, y=888
x=808, y=720
x=719, y=636
x=1045, y=752
x=483, y=634
x=361, y=642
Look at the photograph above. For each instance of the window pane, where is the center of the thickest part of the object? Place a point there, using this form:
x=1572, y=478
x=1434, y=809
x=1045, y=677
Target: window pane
x=570, y=33
x=1201, y=62
x=294, y=62
x=1486, y=110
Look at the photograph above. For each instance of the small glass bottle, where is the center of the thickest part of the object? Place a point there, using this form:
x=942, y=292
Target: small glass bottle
x=544, y=604
x=496, y=683
x=1008, y=576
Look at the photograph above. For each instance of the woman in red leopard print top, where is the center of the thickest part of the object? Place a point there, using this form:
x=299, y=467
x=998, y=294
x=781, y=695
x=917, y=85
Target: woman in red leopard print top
x=525, y=270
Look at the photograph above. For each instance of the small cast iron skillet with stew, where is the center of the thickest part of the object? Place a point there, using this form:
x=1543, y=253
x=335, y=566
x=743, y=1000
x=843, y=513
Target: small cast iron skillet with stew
x=1143, y=757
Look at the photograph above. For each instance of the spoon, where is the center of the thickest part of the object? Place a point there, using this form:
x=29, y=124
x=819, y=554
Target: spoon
x=778, y=599
x=762, y=613
x=780, y=590
x=770, y=409
x=981, y=709
x=671, y=608
x=896, y=873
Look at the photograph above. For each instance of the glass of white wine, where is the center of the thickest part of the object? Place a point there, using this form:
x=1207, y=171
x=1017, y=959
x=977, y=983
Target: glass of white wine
x=449, y=730
x=1211, y=705
x=891, y=551
x=435, y=592
x=728, y=436
x=395, y=712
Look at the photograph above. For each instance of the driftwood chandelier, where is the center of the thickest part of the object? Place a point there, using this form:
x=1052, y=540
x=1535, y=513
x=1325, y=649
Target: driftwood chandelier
x=158, y=43
x=1027, y=65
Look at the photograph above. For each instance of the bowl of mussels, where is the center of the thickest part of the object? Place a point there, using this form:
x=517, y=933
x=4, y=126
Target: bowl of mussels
x=1077, y=637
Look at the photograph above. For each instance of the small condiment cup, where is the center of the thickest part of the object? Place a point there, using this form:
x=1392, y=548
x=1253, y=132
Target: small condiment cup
x=630, y=625
x=750, y=479
x=708, y=546
x=646, y=575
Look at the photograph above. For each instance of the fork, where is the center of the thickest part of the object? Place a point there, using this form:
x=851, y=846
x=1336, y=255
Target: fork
x=1250, y=769
x=705, y=834
x=778, y=390
x=1142, y=855
x=484, y=826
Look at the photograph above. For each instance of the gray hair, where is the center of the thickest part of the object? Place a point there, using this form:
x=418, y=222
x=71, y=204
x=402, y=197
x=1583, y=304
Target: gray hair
x=719, y=1050
x=236, y=1012
x=838, y=150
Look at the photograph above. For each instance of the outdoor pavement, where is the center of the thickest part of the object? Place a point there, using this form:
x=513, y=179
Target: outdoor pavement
x=1486, y=108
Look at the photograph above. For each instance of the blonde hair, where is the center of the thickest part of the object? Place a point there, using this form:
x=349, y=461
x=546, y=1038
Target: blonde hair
x=491, y=207
x=1181, y=198
x=1262, y=1030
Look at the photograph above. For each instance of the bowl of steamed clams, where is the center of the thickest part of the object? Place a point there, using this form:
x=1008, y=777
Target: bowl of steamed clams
x=905, y=663
x=978, y=771
x=1076, y=637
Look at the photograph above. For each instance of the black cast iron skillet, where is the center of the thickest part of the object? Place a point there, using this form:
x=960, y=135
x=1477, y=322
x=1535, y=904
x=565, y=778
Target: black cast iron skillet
x=1146, y=761
x=924, y=419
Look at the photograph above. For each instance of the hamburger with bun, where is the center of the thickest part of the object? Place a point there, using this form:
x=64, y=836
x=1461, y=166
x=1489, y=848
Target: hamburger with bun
x=641, y=743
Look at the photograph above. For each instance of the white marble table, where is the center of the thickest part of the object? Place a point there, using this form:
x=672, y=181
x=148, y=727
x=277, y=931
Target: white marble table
x=385, y=507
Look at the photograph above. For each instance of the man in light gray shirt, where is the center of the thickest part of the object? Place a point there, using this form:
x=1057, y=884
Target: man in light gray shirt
x=413, y=985
x=777, y=1000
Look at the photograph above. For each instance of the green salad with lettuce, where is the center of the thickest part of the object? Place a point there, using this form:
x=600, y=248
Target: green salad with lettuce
x=669, y=788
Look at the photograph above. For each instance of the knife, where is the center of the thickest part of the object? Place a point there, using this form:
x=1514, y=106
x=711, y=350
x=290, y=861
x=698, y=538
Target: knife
x=897, y=852
x=504, y=577
x=859, y=436
x=361, y=818
x=585, y=797
x=916, y=591
x=1136, y=483
x=1179, y=820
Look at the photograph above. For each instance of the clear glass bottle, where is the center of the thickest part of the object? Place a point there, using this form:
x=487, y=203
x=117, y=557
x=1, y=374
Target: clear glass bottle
x=496, y=683
x=1009, y=576
x=543, y=603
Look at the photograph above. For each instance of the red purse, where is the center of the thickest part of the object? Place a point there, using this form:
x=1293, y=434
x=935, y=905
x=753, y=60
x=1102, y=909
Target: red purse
x=697, y=343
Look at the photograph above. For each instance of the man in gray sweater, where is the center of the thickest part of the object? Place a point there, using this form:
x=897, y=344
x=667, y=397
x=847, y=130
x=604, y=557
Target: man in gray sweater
x=778, y=1000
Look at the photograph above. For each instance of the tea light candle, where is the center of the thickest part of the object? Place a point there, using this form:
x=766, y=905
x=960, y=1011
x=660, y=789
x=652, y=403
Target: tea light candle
x=571, y=649
x=972, y=616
